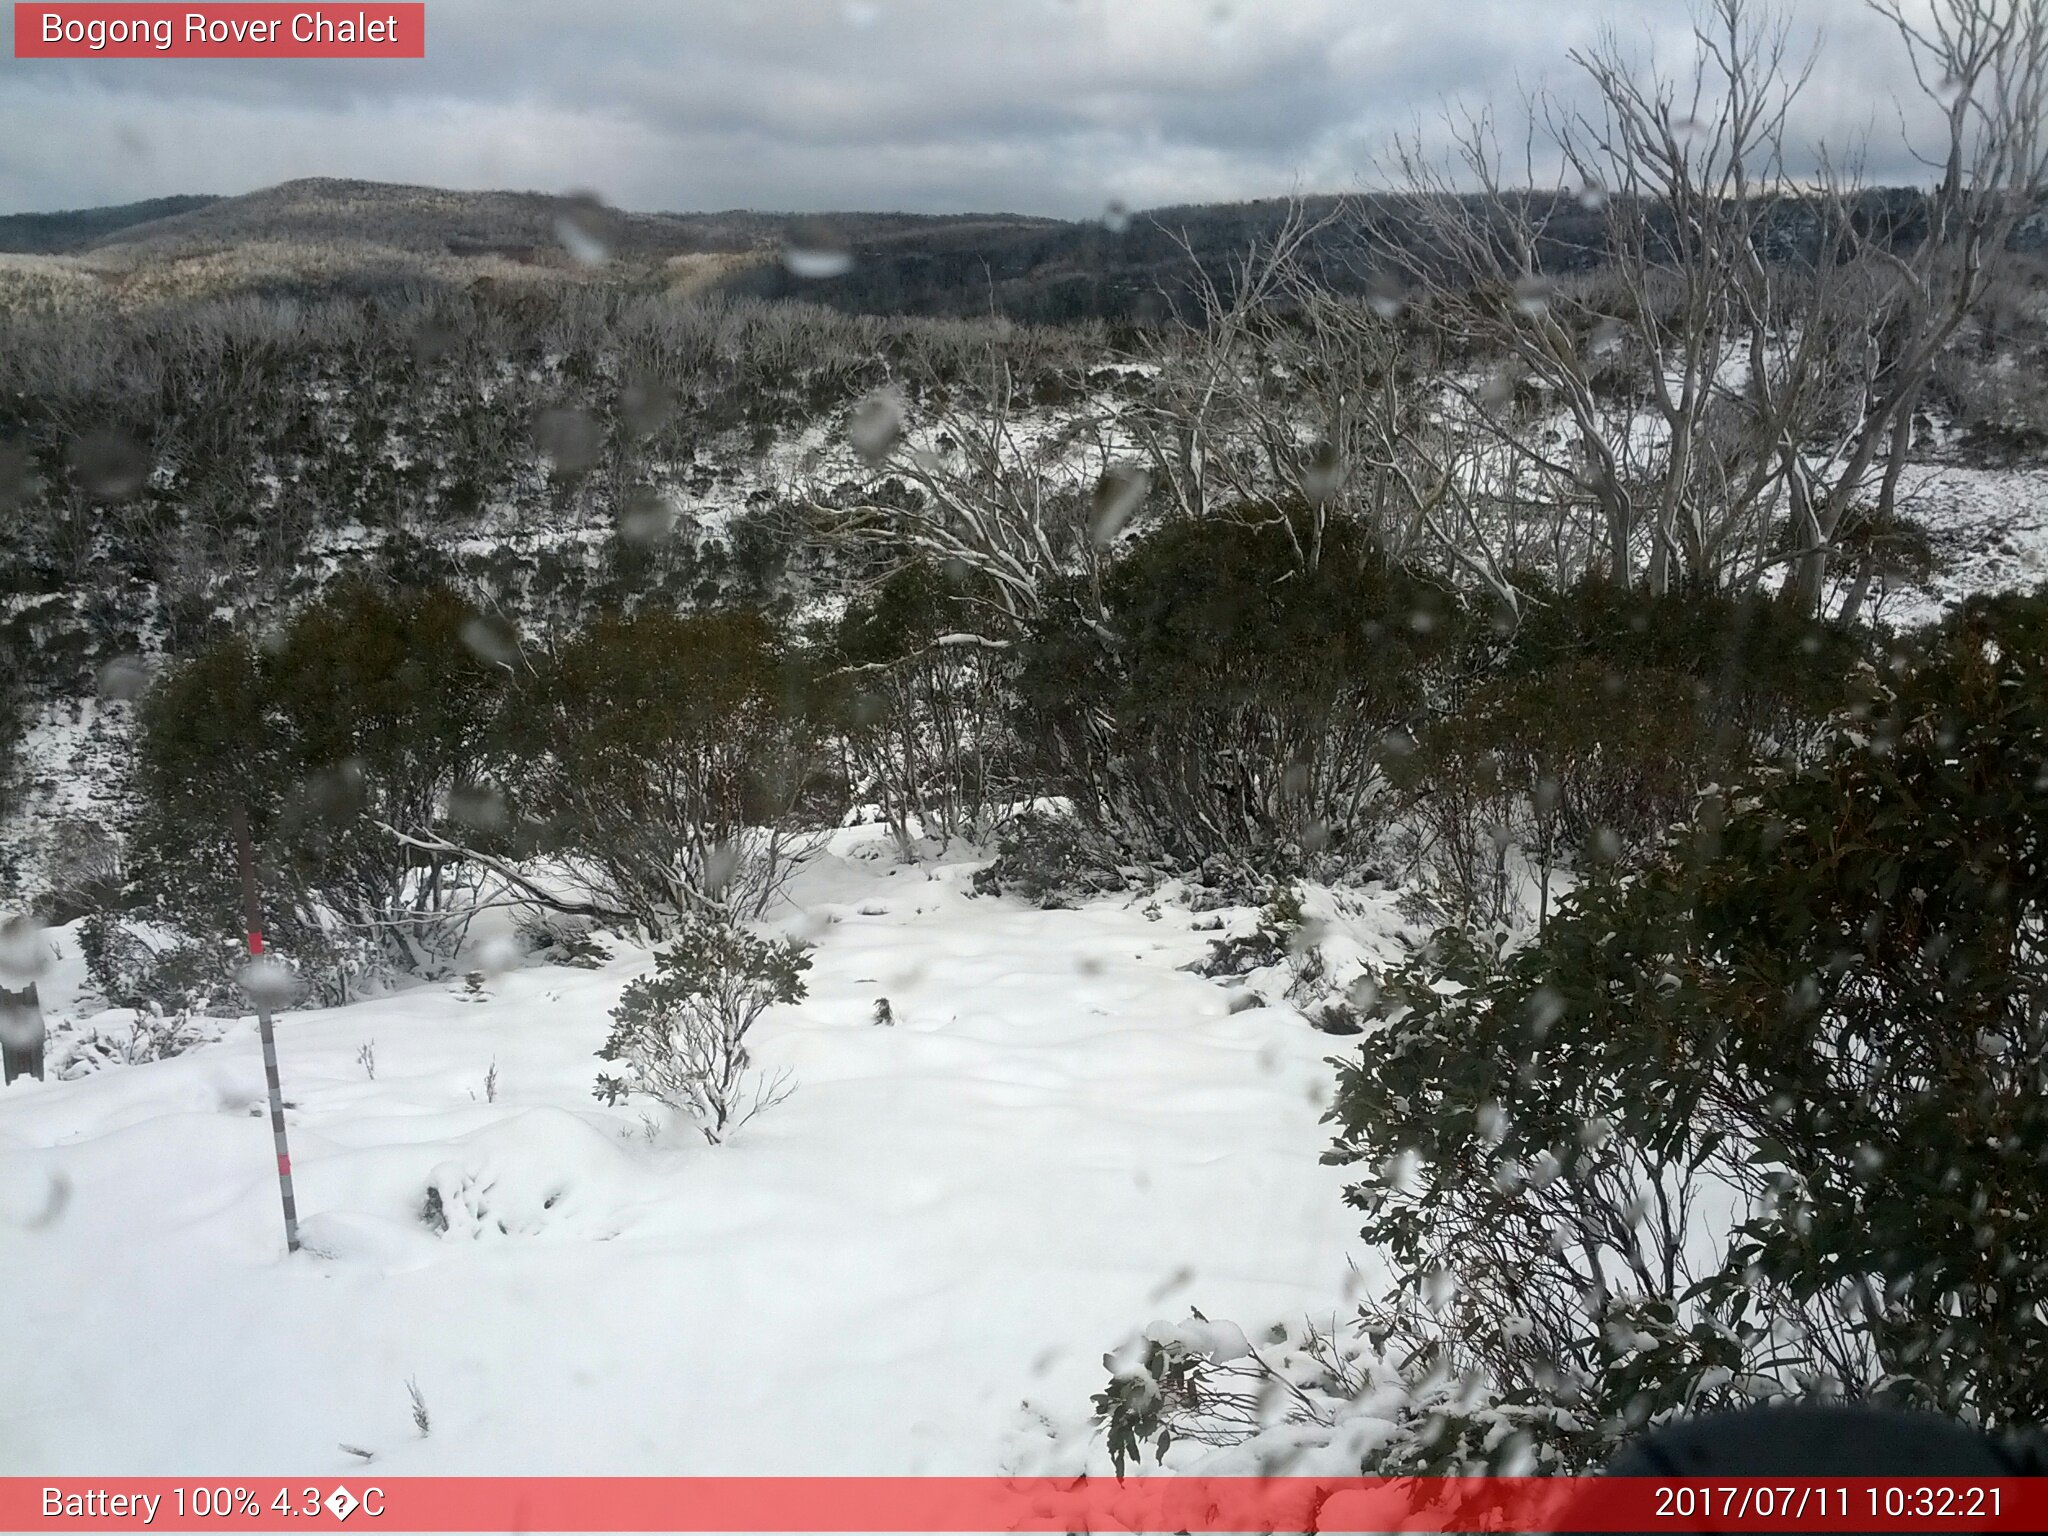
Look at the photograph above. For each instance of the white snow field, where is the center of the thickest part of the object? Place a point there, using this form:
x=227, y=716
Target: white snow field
x=1062, y=1138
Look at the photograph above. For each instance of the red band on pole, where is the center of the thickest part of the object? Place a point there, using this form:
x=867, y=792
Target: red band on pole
x=284, y=1163
x=255, y=943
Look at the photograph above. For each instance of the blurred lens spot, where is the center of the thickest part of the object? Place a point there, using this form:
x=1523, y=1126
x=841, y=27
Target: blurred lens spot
x=1179, y=1280
x=1322, y=476
x=1116, y=216
x=125, y=677
x=1117, y=496
x=568, y=436
x=813, y=252
x=491, y=638
x=1533, y=295
x=477, y=805
x=647, y=518
x=334, y=794
x=1592, y=197
x=268, y=982
x=645, y=406
x=861, y=14
x=580, y=227
x=1386, y=295
x=433, y=341
x=720, y=866
x=498, y=954
x=17, y=475
x=31, y=1211
x=876, y=427
x=23, y=953
x=109, y=464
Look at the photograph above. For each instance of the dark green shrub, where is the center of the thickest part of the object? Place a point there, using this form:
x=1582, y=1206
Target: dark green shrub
x=1598, y=726
x=1240, y=699
x=1767, y=1117
x=371, y=711
x=665, y=757
x=1768, y=676
x=1826, y=1005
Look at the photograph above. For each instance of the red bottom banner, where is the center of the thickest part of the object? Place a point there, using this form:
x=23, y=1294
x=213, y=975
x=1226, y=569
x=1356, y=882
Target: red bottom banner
x=972, y=1504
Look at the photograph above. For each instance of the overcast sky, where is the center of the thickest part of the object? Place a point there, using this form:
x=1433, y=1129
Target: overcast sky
x=1031, y=106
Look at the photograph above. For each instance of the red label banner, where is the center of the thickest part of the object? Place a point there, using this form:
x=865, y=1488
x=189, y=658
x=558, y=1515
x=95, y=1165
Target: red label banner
x=213, y=31
x=965, y=1504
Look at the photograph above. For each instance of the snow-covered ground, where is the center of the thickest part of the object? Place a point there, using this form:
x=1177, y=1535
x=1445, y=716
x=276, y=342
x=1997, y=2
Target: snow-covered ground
x=1062, y=1137
x=1989, y=530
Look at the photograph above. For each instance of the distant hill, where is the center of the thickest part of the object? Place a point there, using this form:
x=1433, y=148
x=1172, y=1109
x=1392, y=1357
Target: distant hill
x=50, y=234
x=437, y=221
x=311, y=234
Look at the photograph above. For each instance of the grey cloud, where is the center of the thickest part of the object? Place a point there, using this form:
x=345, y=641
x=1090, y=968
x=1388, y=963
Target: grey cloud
x=1047, y=106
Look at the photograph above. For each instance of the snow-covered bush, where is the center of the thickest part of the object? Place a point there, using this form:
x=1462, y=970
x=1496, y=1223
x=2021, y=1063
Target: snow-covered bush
x=920, y=697
x=83, y=869
x=680, y=1035
x=560, y=939
x=1051, y=859
x=1307, y=1401
x=152, y=1034
x=133, y=965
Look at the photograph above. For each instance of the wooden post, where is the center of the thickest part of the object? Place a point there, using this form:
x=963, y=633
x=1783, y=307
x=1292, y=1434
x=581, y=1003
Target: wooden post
x=252, y=916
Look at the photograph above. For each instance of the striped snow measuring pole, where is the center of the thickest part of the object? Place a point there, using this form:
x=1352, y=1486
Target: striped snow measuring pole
x=252, y=916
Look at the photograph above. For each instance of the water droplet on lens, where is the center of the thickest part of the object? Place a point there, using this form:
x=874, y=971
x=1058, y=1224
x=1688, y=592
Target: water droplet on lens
x=17, y=475
x=432, y=342
x=814, y=252
x=477, y=805
x=645, y=406
x=268, y=982
x=1117, y=496
x=1533, y=295
x=568, y=436
x=1323, y=475
x=24, y=955
x=647, y=518
x=1116, y=216
x=1497, y=390
x=580, y=228
x=110, y=465
x=125, y=677
x=1386, y=295
x=876, y=427
x=491, y=638
x=498, y=954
